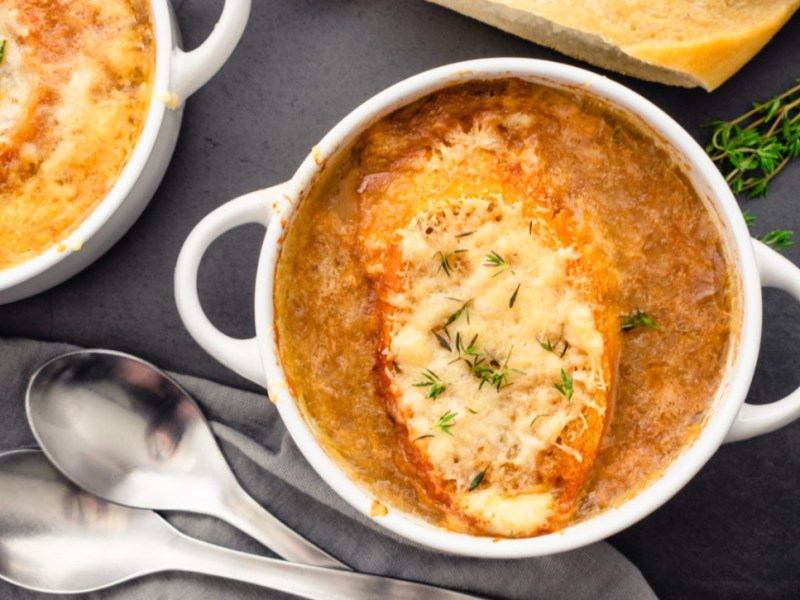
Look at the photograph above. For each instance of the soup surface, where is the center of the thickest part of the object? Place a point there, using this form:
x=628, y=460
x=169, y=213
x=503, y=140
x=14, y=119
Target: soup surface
x=504, y=308
x=75, y=85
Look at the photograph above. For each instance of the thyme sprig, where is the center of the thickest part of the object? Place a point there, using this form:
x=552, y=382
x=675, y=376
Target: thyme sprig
x=637, y=318
x=777, y=239
x=553, y=346
x=446, y=422
x=432, y=381
x=565, y=387
x=494, y=260
x=2, y=50
x=444, y=341
x=752, y=148
x=468, y=350
x=464, y=310
x=492, y=372
x=445, y=258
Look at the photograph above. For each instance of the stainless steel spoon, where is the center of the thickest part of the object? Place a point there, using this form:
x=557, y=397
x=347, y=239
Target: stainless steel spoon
x=57, y=538
x=123, y=430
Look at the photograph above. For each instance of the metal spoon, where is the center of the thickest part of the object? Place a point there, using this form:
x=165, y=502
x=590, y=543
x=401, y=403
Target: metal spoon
x=123, y=430
x=57, y=538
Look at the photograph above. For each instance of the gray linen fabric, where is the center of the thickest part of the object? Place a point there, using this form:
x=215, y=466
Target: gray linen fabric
x=271, y=468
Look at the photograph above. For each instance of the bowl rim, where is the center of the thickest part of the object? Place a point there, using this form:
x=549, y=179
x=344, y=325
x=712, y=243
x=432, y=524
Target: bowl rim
x=162, y=22
x=730, y=395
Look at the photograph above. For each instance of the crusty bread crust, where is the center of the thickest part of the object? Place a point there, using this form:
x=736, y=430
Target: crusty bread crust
x=669, y=42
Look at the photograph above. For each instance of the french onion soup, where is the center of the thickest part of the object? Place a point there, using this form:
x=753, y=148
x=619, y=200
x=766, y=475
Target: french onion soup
x=504, y=308
x=75, y=86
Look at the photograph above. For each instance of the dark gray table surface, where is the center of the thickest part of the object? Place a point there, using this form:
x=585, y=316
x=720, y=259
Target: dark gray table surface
x=734, y=531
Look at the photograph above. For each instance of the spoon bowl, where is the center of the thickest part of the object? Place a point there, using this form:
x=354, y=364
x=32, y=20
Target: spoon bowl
x=125, y=431
x=55, y=537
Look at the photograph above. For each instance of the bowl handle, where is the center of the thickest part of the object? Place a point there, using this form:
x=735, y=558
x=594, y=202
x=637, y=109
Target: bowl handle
x=756, y=419
x=191, y=70
x=239, y=355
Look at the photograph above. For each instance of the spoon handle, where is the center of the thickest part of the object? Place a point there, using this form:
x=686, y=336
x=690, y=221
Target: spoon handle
x=237, y=508
x=306, y=581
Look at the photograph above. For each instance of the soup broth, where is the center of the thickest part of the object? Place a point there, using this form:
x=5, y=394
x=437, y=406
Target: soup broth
x=582, y=302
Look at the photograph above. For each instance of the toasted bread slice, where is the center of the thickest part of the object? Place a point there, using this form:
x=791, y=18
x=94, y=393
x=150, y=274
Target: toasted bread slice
x=497, y=352
x=677, y=42
x=498, y=363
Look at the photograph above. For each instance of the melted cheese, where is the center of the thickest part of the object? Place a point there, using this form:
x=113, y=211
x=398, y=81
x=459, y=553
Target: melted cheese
x=448, y=262
x=75, y=85
x=508, y=411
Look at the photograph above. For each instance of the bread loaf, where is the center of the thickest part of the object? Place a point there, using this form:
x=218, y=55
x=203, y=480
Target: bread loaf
x=678, y=42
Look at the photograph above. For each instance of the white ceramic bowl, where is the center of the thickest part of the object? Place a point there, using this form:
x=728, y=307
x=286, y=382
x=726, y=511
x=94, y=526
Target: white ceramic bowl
x=257, y=359
x=176, y=72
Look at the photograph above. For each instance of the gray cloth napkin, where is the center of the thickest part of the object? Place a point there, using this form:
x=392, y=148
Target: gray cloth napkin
x=273, y=471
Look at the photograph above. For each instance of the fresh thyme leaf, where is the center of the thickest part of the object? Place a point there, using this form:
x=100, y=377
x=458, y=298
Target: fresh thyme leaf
x=2, y=50
x=752, y=148
x=565, y=387
x=442, y=342
x=465, y=234
x=432, y=381
x=494, y=260
x=444, y=260
x=470, y=349
x=472, y=410
x=777, y=239
x=614, y=134
x=637, y=319
x=396, y=367
x=477, y=481
x=422, y=437
x=493, y=373
x=446, y=422
x=553, y=347
x=513, y=297
x=464, y=310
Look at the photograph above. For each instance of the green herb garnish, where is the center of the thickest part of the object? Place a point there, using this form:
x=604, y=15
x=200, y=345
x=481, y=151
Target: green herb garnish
x=553, y=347
x=637, y=319
x=493, y=373
x=470, y=349
x=432, y=381
x=442, y=342
x=465, y=234
x=446, y=422
x=752, y=148
x=565, y=387
x=477, y=480
x=396, y=367
x=2, y=50
x=444, y=260
x=513, y=297
x=777, y=239
x=464, y=310
x=494, y=260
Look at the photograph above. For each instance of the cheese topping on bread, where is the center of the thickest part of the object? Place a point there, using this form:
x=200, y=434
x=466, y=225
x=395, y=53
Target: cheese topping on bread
x=497, y=350
x=75, y=85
